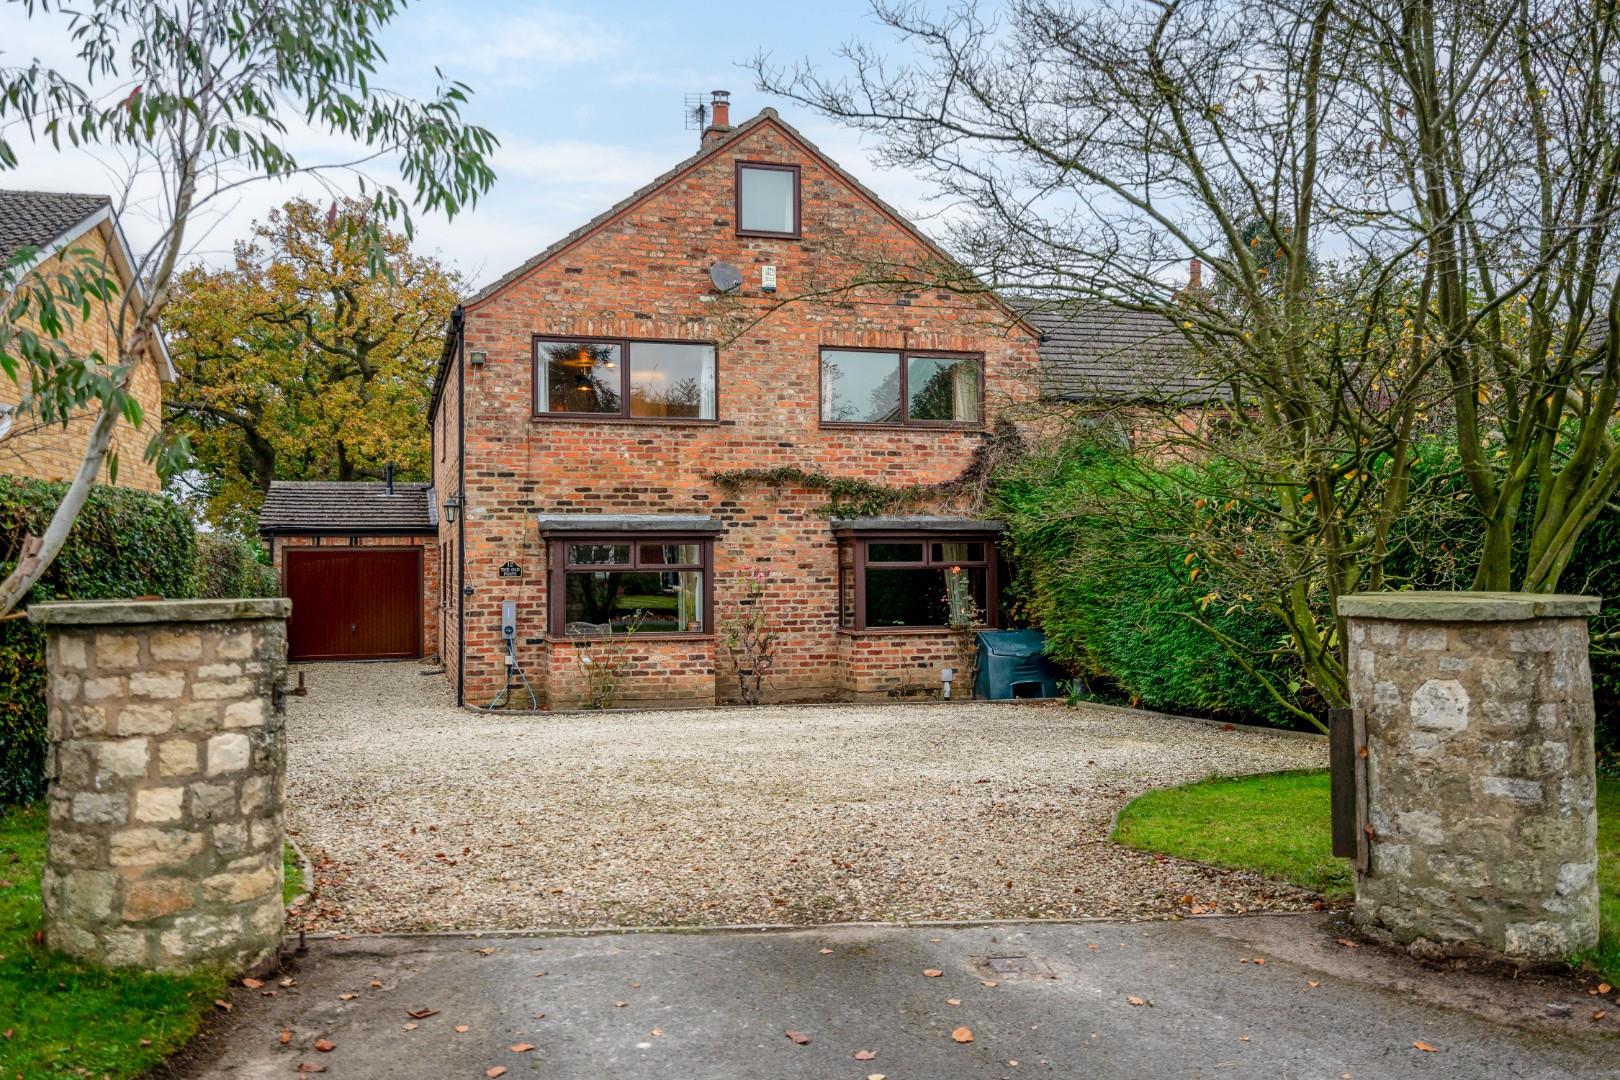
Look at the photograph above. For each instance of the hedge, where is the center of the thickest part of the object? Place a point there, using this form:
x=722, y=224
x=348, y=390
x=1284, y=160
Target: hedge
x=124, y=543
x=1117, y=608
x=229, y=567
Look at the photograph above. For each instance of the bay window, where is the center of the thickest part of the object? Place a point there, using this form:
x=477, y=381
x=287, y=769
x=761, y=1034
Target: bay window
x=893, y=578
x=612, y=584
x=637, y=380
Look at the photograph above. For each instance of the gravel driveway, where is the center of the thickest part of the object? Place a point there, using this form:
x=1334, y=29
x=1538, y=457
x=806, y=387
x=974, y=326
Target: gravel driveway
x=420, y=816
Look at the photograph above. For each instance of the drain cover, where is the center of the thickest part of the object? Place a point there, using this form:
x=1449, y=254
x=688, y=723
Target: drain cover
x=1006, y=967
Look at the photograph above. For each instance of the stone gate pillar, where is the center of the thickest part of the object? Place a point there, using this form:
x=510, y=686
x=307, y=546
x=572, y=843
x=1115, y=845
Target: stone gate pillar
x=1481, y=790
x=166, y=762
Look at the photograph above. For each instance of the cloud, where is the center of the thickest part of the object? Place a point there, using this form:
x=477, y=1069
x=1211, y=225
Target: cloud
x=512, y=48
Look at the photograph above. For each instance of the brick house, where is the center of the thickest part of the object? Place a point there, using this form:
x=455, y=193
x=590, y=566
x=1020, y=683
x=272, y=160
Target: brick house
x=58, y=228
x=727, y=316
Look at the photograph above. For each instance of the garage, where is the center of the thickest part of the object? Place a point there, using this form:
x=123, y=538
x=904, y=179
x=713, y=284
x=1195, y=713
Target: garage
x=360, y=562
x=354, y=603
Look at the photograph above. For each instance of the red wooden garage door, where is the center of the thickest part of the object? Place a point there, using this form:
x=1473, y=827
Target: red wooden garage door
x=354, y=603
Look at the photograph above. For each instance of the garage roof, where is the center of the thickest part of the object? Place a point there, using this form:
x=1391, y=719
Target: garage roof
x=323, y=507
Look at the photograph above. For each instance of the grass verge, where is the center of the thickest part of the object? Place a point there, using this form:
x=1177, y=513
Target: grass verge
x=66, y=1019
x=292, y=881
x=1276, y=825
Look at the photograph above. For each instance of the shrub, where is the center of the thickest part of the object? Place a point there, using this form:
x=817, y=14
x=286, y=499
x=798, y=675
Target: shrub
x=1118, y=605
x=229, y=567
x=124, y=543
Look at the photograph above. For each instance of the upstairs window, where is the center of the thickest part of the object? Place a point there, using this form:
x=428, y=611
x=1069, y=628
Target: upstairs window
x=767, y=199
x=637, y=380
x=861, y=386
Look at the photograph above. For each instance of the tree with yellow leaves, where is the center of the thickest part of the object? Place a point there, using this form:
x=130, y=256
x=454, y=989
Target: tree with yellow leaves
x=298, y=363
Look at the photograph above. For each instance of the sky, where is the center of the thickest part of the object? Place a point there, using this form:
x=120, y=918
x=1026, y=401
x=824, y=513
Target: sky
x=586, y=99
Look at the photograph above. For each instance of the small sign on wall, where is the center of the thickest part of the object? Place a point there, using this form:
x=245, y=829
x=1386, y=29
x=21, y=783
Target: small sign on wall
x=511, y=569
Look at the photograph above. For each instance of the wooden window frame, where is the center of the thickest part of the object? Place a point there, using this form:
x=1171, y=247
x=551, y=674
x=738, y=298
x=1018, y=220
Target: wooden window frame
x=905, y=421
x=557, y=551
x=798, y=199
x=626, y=348
x=862, y=541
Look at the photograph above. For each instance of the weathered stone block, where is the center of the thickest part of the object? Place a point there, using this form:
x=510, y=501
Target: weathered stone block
x=144, y=720
x=88, y=896
x=210, y=801
x=160, y=685
x=177, y=757
x=221, y=690
x=198, y=717
x=122, y=759
x=117, y=651
x=125, y=949
x=105, y=687
x=154, y=897
x=228, y=753
x=242, y=714
x=175, y=645
x=100, y=808
x=219, y=671
x=68, y=654
x=237, y=887
x=154, y=847
x=160, y=805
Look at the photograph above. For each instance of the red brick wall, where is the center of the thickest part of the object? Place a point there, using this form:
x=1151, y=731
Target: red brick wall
x=446, y=450
x=644, y=275
x=662, y=672
x=430, y=570
x=898, y=663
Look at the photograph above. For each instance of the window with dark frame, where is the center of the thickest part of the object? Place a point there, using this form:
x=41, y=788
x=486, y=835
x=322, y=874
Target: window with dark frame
x=625, y=378
x=889, y=388
x=603, y=585
x=916, y=580
x=767, y=199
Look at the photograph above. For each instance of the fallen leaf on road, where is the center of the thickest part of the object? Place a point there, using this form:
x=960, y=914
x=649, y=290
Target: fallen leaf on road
x=876, y=1076
x=1243, y=1038
x=499, y=1070
x=347, y=997
x=539, y=974
x=865, y=1055
x=799, y=1037
x=325, y=1046
x=376, y=984
x=252, y=984
x=933, y=973
x=310, y=1067
x=286, y=1036
x=657, y=1032
x=826, y=952
x=421, y=1014
x=953, y=1001
x=461, y=1029
x=620, y=1004
x=1426, y=1048
x=222, y=1003
x=410, y=1027
x=288, y=981
x=1597, y=1015
x=963, y=1034
x=1347, y=943
x=991, y=983
x=1138, y=1001
x=486, y=951
x=1312, y=983
x=521, y=1048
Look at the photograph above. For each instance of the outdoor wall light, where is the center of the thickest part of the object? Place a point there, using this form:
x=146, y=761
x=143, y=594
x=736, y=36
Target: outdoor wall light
x=452, y=505
x=476, y=357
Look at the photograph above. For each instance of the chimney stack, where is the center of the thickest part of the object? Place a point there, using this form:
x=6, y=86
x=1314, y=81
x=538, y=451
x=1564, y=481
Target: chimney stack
x=388, y=476
x=1195, y=275
x=719, y=116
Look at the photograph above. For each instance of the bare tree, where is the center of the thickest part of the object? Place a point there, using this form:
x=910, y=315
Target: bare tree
x=201, y=98
x=1405, y=213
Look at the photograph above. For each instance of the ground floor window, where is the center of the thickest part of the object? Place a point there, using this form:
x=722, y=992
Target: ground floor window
x=615, y=584
x=918, y=579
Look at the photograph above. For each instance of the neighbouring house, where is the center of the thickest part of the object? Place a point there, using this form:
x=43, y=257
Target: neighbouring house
x=58, y=227
x=728, y=317
x=361, y=564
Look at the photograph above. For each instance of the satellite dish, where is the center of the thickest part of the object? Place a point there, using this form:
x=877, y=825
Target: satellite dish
x=726, y=278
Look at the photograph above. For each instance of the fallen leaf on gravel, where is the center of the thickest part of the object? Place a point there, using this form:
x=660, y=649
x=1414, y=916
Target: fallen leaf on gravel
x=1597, y=1015
x=876, y=1076
x=1426, y=1048
x=376, y=984
x=865, y=1055
x=538, y=1016
x=410, y=1027
x=499, y=1070
x=1312, y=983
x=340, y=937
x=933, y=973
x=1243, y=1038
x=252, y=984
x=288, y=981
x=310, y=1067
x=1138, y=1001
x=1347, y=943
x=286, y=1036
x=461, y=1029
x=963, y=1034
x=953, y=1001
x=521, y=1048
x=421, y=1014
x=826, y=952
x=488, y=950
x=222, y=1003
x=991, y=983
x=1604, y=988
x=347, y=997
x=325, y=1046
x=799, y=1037
x=539, y=974
x=657, y=1033
x=620, y=1004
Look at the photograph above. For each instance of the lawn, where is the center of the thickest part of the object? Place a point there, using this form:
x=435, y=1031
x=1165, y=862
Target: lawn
x=1277, y=825
x=62, y=1018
